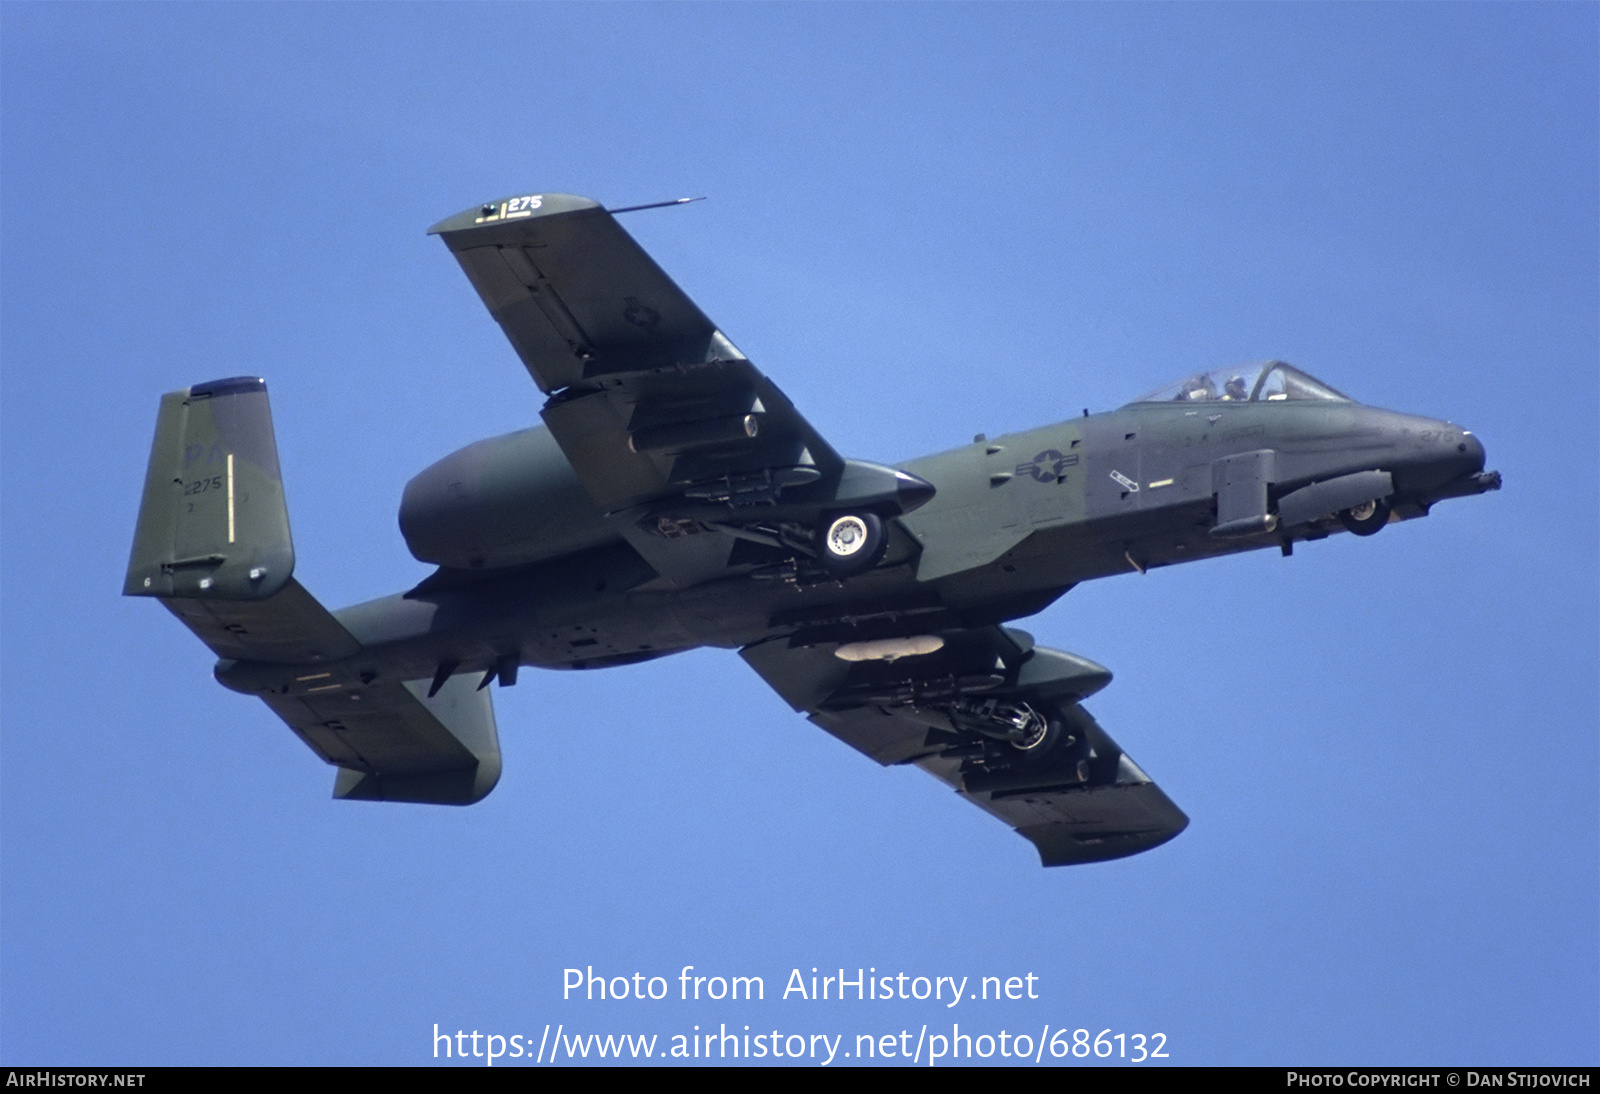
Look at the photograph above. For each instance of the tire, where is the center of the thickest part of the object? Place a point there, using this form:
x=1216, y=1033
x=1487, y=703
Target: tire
x=1042, y=742
x=1368, y=519
x=851, y=543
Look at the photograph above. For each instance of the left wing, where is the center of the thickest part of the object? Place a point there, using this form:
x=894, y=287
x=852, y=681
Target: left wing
x=670, y=428
x=997, y=719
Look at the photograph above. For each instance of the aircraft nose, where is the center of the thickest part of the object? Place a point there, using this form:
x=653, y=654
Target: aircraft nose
x=1459, y=452
x=1432, y=455
x=1448, y=463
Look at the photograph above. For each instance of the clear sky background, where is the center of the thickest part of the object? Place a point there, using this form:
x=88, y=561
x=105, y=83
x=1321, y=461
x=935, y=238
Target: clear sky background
x=924, y=222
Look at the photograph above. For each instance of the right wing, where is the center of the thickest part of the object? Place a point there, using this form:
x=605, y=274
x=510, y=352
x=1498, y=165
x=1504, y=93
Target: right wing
x=1071, y=792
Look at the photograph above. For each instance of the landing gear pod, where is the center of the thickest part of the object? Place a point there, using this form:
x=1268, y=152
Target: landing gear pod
x=851, y=543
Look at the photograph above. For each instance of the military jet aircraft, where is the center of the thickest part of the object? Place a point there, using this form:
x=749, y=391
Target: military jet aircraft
x=674, y=498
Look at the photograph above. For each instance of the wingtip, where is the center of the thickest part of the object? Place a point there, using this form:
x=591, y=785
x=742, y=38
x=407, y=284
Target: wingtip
x=509, y=210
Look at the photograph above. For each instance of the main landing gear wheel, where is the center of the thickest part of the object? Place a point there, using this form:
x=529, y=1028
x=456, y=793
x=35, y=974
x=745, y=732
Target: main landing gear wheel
x=1366, y=519
x=1039, y=738
x=1049, y=747
x=851, y=543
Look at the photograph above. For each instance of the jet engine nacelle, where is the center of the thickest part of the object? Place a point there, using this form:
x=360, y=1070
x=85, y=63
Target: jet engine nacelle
x=505, y=501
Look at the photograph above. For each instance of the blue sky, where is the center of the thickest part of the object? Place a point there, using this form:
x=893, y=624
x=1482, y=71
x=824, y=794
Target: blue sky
x=924, y=222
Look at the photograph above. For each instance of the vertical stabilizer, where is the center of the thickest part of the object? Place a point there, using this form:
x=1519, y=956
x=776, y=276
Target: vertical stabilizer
x=212, y=522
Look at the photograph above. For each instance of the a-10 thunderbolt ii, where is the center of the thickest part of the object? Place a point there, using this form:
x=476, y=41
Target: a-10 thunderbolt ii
x=674, y=498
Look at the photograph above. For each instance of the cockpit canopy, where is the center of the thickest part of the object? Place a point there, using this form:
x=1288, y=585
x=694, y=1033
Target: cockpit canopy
x=1264, y=382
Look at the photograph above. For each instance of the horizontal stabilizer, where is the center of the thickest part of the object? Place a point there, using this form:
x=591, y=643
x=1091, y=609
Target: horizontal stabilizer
x=392, y=740
x=289, y=628
x=394, y=743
